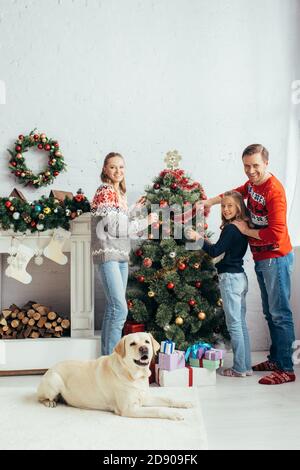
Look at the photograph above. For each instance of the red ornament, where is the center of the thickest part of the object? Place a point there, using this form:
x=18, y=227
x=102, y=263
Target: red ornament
x=198, y=284
x=21, y=137
x=181, y=266
x=18, y=173
x=47, y=147
x=40, y=146
x=139, y=252
x=36, y=137
x=18, y=148
x=141, y=278
x=7, y=204
x=163, y=203
x=174, y=185
x=192, y=302
x=56, y=173
x=184, y=180
x=147, y=262
x=156, y=186
x=14, y=163
x=33, y=223
x=170, y=285
x=56, y=145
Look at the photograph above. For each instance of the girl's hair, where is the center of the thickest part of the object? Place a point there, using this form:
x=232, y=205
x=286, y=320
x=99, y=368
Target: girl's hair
x=242, y=211
x=105, y=178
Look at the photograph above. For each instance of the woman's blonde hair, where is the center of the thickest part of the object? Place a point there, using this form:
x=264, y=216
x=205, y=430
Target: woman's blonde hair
x=105, y=178
x=242, y=211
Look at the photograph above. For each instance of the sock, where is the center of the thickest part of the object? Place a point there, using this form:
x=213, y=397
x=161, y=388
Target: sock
x=54, y=250
x=18, y=264
x=278, y=377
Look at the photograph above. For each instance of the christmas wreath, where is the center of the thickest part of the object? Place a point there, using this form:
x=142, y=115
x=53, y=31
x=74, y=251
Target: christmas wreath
x=18, y=165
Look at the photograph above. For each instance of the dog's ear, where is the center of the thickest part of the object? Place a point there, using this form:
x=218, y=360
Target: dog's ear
x=120, y=347
x=155, y=344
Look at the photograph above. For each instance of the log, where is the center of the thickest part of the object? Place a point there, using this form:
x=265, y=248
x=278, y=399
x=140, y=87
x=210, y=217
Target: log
x=36, y=316
x=30, y=313
x=21, y=315
x=43, y=310
x=41, y=322
x=6, y=313
x=35, y=334
x=65, y=324
x=15, y=323
x=25, y=320
x=52, y=316
x=3, y=322
x=31, y=322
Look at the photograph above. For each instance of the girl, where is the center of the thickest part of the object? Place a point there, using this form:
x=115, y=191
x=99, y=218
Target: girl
x=110, y=245
x=233, y=280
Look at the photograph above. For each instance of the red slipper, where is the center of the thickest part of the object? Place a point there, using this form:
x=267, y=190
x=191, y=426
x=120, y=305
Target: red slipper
x=278, y=377
x=265, y=366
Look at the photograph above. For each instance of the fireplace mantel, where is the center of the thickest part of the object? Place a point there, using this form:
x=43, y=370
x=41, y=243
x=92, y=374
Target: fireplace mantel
x=81, y=304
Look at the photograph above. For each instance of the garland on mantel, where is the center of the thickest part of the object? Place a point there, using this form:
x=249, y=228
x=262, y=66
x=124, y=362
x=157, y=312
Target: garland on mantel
x=44, y=214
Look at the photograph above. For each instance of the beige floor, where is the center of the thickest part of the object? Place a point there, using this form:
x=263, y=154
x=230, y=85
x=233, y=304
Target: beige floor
x=238, y=413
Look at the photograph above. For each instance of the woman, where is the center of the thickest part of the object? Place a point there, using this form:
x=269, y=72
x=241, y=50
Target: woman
x=111, y=230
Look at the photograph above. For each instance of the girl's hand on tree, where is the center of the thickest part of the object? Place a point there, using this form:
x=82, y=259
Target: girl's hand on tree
x=152, y=218
x=192, y=234
x=141, y=202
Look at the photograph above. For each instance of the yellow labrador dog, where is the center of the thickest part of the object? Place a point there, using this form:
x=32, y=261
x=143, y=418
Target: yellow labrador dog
x=117, y=383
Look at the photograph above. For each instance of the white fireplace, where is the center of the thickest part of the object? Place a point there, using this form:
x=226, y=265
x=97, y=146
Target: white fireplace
x=34, y=355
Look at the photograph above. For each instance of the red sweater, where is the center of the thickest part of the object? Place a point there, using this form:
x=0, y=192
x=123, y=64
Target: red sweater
x=267, y=206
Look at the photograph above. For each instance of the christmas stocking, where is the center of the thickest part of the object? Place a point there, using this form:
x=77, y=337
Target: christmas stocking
x=54, y=250
x=18, y=263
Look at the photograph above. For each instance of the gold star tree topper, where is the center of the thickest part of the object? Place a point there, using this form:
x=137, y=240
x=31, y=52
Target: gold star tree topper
x=172, y=159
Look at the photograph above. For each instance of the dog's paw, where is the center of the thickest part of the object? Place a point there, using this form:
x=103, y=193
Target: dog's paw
x=49, y=403
x=176, y=417
x=181, y=404
x=188, y=404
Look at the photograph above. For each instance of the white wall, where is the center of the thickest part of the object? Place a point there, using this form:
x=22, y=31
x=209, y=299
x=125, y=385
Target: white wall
x=206, y=77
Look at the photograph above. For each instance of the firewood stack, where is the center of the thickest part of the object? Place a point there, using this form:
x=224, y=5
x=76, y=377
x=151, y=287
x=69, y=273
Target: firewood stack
x=33, y=320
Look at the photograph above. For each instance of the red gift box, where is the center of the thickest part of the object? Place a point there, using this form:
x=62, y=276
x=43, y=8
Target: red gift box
x=132, y=327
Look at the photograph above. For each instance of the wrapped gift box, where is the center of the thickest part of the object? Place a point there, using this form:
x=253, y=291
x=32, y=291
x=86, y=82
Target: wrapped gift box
x=197, y=350
x=206, y=363
x=185, y=377
x=132, y=327
x=167, y=347
x=214, y=354
x=172, y=361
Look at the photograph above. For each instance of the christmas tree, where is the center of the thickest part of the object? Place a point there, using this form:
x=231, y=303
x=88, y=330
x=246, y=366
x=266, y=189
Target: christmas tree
x=174, y=290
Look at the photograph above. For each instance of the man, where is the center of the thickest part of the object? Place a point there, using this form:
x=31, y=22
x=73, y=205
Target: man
x=272, y=252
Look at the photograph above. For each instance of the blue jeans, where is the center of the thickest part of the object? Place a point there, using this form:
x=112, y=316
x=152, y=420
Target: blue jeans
x=274, y=279
x=113, y=276
x=234, y=287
